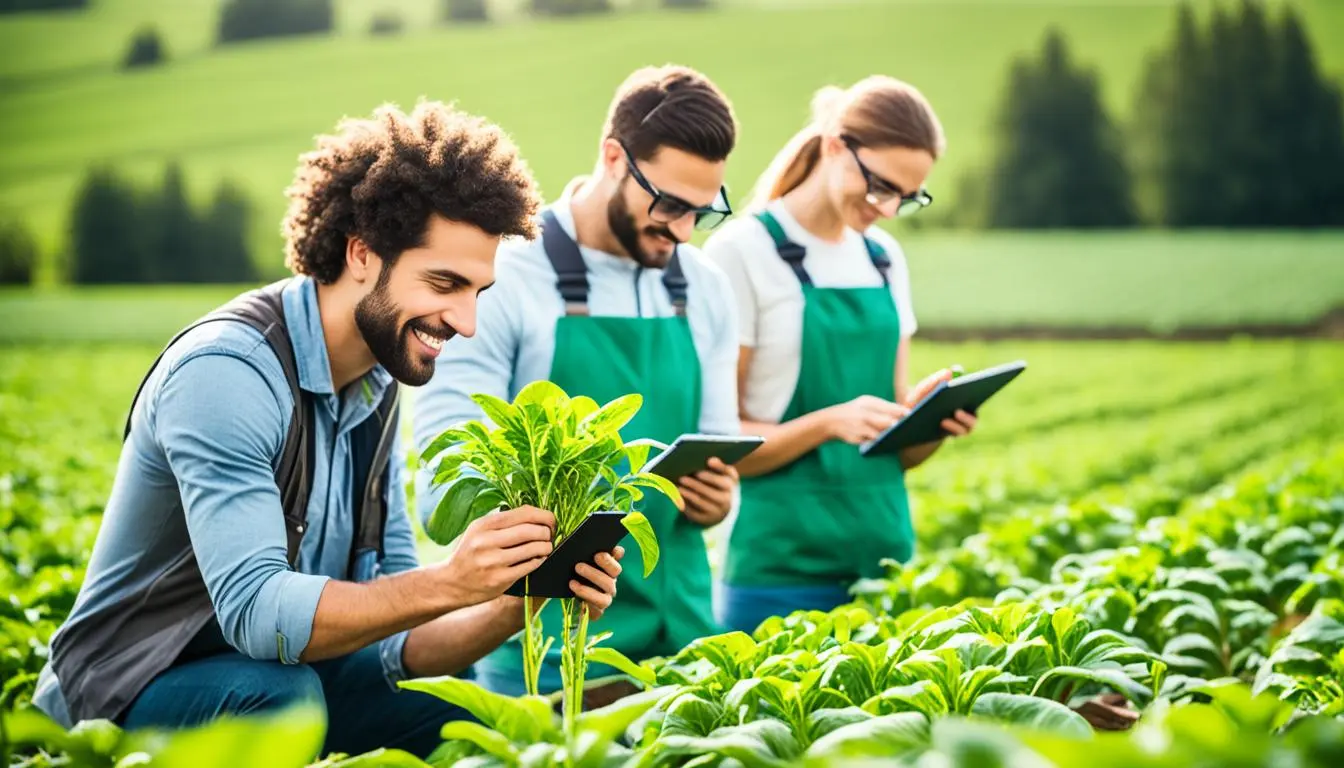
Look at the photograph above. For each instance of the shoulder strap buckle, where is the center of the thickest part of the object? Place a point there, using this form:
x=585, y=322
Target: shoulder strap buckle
x=674, y=280
x=791, y=252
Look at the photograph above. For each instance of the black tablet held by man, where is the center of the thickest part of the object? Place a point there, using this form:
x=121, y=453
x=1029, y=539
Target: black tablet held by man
x=923, y=423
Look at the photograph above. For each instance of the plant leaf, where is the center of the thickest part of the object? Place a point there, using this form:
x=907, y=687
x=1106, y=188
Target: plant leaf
x=614, y=658
x=524, y=719
x=490, y=741
x=455, y=510
x=1110, y=677
x=1031, y=711
x=614, y=415
x=642, y=530
x=885, y=736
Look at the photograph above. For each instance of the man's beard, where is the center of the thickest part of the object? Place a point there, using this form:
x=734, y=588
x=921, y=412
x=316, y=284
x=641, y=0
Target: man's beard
x=622, y=224
x=378, y=321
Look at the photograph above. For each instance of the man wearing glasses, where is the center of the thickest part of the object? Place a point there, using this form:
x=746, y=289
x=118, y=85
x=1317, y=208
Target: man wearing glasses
x=611, y=300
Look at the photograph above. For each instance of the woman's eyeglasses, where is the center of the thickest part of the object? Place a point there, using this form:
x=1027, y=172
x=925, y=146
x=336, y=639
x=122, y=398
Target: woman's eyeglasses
x=881, y=191
x=666, y=208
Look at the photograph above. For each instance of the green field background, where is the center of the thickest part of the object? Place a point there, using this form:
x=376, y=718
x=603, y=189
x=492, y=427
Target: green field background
x=245, y=112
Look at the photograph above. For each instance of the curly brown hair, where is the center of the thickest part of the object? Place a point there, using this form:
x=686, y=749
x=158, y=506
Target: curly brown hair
x=380, y=178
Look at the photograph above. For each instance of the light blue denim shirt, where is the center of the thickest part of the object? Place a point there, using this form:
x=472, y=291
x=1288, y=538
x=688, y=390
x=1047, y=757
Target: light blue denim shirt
x=199, y=467
x=514, y=343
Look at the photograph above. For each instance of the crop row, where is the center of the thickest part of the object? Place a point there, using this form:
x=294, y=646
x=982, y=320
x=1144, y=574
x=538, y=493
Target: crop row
x=1241, y=588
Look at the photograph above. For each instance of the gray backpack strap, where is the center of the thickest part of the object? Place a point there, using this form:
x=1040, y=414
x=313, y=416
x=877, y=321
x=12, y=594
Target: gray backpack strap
x=263, y=309
x=371, y=451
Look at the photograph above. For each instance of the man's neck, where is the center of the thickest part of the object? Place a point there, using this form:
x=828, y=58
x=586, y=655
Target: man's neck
x=811, y=207
x=349, y=356
x=588, y=205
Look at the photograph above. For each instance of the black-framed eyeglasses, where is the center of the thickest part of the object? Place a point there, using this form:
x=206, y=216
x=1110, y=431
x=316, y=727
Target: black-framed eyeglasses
x=666, y=208
x=881, y=191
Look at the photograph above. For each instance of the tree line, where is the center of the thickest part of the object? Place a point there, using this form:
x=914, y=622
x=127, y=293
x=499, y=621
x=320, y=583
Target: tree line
x=1233, y=125
x=120, y=233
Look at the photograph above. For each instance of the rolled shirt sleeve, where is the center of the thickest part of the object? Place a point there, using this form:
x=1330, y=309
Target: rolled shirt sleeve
x=222, y=459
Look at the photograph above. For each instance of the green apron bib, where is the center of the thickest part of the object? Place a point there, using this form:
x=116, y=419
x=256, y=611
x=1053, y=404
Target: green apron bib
x=605, y=358
x=830, y=516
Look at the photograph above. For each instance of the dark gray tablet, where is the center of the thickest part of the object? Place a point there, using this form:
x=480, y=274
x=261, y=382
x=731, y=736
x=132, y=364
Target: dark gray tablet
x=601, y=532
x=689, y=454
x=924, y=422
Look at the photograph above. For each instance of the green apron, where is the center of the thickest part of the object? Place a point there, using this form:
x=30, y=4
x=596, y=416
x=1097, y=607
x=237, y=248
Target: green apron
x=606, y=358
x=831, y=515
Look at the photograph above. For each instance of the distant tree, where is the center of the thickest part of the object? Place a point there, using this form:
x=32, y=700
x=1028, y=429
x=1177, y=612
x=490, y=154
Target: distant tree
x=106, y=239
x=465, y=10
x=687, y=3
x=22, y=6
x=146, y=49
x=1235, y=126
x=1059, y=161
x=224, y=257
x=1310, y=125
x=569, y=7
x=251, y=19
x=123, y=235
x=386, y=22
x=171, y=232
x=18, y=253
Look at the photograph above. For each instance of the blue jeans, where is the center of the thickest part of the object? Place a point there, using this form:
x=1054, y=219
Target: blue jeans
x=745, y=608
x=363, y=713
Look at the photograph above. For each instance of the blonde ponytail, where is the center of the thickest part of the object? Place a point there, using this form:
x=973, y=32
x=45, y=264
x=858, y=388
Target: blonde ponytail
x=796, y=160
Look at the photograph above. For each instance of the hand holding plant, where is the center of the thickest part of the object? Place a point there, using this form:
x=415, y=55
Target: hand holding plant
x=498, y=550
x=557, y=453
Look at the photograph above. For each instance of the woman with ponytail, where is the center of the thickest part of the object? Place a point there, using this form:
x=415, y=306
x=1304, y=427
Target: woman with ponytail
x=826, y=319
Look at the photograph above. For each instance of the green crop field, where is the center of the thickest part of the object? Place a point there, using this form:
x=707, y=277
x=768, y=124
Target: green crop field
x=1145, y=281
x=247, y=111
x=1154, y=520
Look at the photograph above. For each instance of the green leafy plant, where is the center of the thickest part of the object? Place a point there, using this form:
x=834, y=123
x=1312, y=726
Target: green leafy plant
x=556, y=453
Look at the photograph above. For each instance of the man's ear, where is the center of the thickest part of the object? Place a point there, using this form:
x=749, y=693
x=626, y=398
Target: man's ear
x=360, y=262
x=613, y=159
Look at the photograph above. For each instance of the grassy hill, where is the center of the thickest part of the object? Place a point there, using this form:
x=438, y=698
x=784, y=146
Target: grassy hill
x=247, y=111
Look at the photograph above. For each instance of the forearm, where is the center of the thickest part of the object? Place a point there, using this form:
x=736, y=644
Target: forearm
x=351, y=616
x=784, y=443
x=918, y=454
x=453, y=642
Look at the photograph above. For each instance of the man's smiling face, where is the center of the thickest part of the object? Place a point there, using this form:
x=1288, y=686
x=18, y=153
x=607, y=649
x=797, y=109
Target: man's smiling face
x=426, y=296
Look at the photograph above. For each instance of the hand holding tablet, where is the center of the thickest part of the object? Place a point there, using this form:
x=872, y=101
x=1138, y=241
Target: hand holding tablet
x=923, y=424
x=689, y=454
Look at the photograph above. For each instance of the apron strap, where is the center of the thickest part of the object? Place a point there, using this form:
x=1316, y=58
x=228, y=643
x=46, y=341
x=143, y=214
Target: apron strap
x=880, y=260
x=793, y=253
x=674, y=280
x=572, y=273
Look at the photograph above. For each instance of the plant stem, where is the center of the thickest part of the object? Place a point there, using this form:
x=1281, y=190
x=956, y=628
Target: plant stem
x=531, y=628
x=574, y=664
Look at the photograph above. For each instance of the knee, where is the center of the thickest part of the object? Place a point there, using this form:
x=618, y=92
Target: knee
x=271, y=686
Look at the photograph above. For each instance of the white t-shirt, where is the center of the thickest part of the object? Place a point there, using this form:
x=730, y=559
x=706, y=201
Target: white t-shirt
x=770, y=298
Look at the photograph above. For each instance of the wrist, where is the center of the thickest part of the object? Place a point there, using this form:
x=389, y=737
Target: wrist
x=825, y=425
x=447, y=590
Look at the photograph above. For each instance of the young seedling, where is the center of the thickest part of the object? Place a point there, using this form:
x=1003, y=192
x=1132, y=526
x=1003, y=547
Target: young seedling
x=557, y=453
